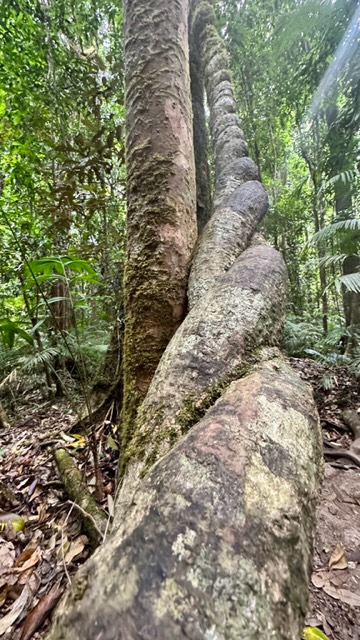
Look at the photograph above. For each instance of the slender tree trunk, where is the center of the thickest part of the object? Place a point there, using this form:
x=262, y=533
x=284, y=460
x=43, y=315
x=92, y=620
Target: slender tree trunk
x=351, y=264
x=62, y=313
x=203, y=181
x=214, y=518
x=313, y=164
x=351, y=301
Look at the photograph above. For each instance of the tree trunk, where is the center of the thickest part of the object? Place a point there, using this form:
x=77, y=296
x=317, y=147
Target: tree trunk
x=62, y=313
x=218, y=544
x=203, y=181
x=351, y=301
x=214, y=518
x=161, y=215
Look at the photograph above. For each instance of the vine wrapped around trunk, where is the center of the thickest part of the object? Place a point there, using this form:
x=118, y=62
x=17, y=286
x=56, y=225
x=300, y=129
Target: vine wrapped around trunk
x=222, y=460
x=218, y=543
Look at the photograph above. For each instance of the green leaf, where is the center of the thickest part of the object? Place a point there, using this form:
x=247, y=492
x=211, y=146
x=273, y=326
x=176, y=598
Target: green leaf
x=57, y=299
x=86, y=278
x=46, y=266
x=9, y=330
x=351, y=282
x=352, y=224
x=78, y=265
x=312, y=633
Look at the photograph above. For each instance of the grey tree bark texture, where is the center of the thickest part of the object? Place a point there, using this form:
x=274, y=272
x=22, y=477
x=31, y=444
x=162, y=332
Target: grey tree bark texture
x=212, y=538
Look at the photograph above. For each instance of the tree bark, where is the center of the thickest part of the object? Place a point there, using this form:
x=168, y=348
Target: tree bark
x=218, y=544
x=214, y=344
x=240, y=201
x=213, y=526
x=161, y=215
x=203, y=180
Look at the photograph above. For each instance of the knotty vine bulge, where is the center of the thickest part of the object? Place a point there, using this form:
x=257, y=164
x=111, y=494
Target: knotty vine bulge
x=221, y=458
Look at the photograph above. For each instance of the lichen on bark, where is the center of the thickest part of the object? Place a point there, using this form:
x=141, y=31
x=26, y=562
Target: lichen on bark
x=161, y=215
x=213, y=522
x=209, y=549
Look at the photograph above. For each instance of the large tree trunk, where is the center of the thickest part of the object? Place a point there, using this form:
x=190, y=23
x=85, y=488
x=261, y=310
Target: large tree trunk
x=161, y=216
x=218, y=543
x=214, y=518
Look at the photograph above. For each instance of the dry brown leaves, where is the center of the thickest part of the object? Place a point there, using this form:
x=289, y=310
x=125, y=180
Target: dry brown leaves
x=37, y=563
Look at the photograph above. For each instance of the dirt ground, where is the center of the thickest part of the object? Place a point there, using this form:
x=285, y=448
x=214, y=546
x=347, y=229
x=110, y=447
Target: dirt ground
x=335, y=586
x=36, y=564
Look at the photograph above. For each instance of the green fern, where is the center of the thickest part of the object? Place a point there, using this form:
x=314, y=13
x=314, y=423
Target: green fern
x=35, y=362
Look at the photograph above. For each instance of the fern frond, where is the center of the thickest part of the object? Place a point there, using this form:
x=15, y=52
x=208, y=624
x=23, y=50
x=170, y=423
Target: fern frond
x=32, y=363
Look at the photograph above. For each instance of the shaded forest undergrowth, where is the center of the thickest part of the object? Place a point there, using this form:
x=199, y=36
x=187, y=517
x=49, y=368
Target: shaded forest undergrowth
x=37, y=562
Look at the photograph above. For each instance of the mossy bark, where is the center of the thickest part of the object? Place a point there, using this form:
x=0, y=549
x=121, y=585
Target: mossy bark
x=222, y=461
x=219, y=542
x=161, y=214
x=219, y=336
x=240, y=201
x=93, y=517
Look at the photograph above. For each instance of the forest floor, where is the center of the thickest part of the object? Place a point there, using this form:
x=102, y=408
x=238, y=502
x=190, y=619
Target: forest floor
x=37, y=563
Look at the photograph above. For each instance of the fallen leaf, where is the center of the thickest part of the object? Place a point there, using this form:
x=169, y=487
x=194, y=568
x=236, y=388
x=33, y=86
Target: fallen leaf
x=76, y=547
x=344, y=595
x=38, y=614
x=111, y=443
x=111, y=506
x=16, y=610
x=16, y=521
x=66, y=438
x=26, y=554
x=338, y=558
x=320, y=579
x=7, y=556
x=30, y=562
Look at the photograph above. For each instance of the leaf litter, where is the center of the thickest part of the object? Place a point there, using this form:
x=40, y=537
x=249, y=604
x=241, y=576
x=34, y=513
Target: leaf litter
x=334, y=606
x=37, y=561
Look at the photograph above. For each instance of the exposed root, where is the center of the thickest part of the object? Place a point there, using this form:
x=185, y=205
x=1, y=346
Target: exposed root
x=93, y=517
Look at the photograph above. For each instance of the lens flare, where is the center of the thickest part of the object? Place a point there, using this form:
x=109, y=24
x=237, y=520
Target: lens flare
x=345, y=53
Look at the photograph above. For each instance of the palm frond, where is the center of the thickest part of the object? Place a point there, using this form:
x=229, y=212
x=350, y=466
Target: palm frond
x=351, y=282
x=328, y=261
x=32, y=363
x=346, y=177
x=351, y=224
